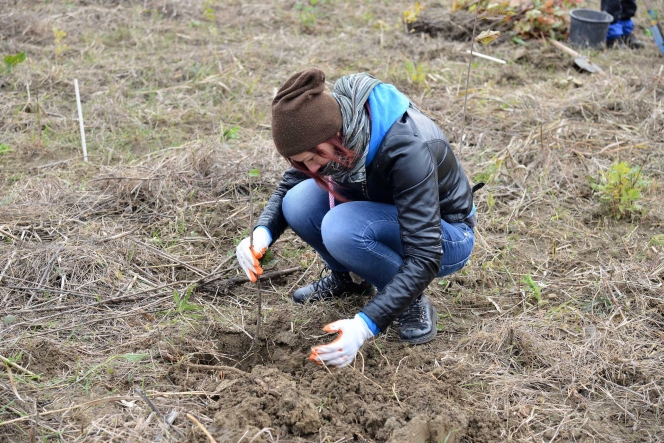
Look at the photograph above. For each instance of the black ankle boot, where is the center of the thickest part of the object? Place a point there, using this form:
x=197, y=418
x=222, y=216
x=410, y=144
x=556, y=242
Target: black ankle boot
x=417, y=325
x=633, y=42
x=333, y=285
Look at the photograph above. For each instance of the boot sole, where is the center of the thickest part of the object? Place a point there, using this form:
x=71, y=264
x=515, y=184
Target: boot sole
x=430, y=336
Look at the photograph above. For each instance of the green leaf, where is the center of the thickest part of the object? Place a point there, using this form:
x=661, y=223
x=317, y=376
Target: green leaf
x=134, y=357
x=13, y=60
x=254, y=173
x=519, y=41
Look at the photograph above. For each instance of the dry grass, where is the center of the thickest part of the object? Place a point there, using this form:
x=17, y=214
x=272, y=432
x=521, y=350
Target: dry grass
x=552, y=333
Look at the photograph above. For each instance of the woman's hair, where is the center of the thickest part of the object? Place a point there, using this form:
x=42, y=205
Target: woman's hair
x=342, y=155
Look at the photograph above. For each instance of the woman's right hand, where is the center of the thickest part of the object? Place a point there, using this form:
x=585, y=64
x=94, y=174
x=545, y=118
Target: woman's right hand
x=248, y=255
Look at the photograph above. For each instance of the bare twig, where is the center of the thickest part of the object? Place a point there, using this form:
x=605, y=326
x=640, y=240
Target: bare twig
x=47, y=271
x=71, y=408
x=15, y=366
x=465, y=95
x=201, y=427
x=171, y=258
x=240, y=279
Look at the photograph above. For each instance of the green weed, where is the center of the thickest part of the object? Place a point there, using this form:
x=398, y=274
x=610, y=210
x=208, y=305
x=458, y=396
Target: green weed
x=533, y=288
x=417, y=74
x=13, y=60
x=489, y=174
x=182, y=302
x=58, y=38
x=657, y=240
x=229, y=132
x=5, y=149
x=308, y=13
x=620, y=189
x=208, y=10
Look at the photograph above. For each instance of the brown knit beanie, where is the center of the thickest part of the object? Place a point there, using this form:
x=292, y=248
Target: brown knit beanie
x=303, y=114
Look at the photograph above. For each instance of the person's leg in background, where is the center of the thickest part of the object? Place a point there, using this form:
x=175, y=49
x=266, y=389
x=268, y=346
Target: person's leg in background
x=628, y=9
x=620, y=30
x=615, y=32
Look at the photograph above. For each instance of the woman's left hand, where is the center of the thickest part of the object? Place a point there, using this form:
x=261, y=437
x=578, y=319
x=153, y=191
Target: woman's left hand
x=353, y=332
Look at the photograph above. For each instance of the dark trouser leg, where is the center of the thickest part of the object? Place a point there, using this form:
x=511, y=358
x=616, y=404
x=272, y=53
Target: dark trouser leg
x=628, y=9
x=615, y=32
x=613, y=7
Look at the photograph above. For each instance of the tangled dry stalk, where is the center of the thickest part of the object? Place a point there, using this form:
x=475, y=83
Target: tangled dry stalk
x=123, y=316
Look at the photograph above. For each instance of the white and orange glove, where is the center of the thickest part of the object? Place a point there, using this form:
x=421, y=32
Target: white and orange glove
x=248, y=255
x=353, y=332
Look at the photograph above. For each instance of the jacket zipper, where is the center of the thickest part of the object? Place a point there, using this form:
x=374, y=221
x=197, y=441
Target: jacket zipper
x=365, y=189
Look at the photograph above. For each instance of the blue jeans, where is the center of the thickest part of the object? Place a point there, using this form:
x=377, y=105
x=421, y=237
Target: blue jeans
x=362, y=236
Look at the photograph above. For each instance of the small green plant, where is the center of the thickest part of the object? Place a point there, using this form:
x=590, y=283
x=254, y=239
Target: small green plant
x=208, y=10
x=230, y=132
x=533, y=288
x=417, y=74
x=134, y=358
x=13, y=60
x=620, y=189
x=491, y=172
x=5, y=149
x=412, y=13
x=657, y=240
x=308, y=13
x=182, y=301
x=58, y=37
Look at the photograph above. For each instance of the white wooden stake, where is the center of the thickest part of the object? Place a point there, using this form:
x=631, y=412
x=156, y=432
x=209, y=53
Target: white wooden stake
x=487, y=57
x=80, y=121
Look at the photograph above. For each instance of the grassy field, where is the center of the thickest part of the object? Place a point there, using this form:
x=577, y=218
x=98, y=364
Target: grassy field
x=124, y=316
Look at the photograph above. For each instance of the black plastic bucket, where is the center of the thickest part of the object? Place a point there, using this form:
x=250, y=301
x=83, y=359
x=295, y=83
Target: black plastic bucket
x=588, y=28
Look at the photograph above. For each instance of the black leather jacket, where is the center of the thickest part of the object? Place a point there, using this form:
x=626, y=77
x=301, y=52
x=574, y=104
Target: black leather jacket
x=415, y=170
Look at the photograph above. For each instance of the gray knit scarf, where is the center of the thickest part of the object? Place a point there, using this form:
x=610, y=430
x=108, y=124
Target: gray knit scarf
x=352, y=92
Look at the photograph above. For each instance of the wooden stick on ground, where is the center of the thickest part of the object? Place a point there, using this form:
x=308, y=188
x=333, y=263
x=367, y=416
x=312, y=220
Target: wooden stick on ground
x=80, y=121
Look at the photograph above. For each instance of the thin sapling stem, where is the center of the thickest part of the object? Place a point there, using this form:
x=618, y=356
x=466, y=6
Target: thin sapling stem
x=253, y=174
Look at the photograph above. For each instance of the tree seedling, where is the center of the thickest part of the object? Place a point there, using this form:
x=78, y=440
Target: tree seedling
x=620, y=189
x=494, y=12
x=253, y=174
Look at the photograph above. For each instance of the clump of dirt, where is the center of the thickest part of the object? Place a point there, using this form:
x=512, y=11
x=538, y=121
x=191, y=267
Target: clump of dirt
x=372, y=404
x=274, y=385
x=43, y=356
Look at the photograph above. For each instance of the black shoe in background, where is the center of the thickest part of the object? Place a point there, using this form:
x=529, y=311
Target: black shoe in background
x=615, y=43
x=417, y=325
x=333, y=285
x=632, y=42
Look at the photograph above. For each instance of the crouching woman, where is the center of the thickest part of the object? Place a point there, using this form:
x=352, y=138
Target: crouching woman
x=376, y=190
